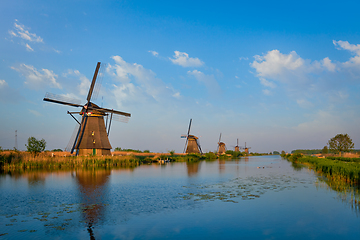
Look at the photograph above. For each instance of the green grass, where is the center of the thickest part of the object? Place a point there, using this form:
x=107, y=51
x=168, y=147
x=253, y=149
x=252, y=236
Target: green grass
x=348, y=171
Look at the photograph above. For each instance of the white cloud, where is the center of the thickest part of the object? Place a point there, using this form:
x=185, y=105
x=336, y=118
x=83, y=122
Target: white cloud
x=137, y=84
x=276, y=65
x=326, y=62
x=22, y=32
x=208, y=80
x=347, y=46
x=36, y=79
x=355, y=49
x=36, y=113
x=303, y=103
x=176, y=95
x=84, y=85
x=3, y=83
x=29, y=48
x=267, y=83
x=243, y=58
x=154, y=53
x=267, y=92
x=183, y=59
x=57, y=51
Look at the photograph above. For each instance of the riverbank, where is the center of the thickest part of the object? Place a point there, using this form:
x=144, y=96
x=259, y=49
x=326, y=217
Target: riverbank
x=345, y=169
x=16, y=160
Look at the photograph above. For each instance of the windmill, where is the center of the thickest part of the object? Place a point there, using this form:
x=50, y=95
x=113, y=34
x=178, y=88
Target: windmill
x=192, y=144
x=221, y=147
x=237, y=148
x=246, y=149
x=92, y=134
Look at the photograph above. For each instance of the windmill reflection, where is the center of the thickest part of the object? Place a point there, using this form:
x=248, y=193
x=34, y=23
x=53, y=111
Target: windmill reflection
x=192, y=168
x=93, y=191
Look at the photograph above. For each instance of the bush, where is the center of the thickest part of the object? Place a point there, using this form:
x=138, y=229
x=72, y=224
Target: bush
x=35, y=146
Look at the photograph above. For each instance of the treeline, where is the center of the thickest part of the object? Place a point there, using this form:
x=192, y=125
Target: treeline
x=118, y=149
x=318, y=151
x=307, y=151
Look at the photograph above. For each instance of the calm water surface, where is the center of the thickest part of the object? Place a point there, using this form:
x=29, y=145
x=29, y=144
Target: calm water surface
x=253, y=198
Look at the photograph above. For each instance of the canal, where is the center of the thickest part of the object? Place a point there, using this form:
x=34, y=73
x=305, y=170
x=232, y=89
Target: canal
x=249, y=198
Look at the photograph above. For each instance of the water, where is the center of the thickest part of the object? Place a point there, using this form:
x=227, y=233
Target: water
x=252, y=198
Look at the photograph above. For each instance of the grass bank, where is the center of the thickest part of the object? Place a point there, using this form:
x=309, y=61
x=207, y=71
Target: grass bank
x=15, y=160
x=344, y=169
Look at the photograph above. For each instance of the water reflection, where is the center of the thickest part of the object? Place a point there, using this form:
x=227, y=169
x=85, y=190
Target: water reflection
x=36, y=178
x=222, y=166
x=192, y=168
x=348, y=194
x=92, y=187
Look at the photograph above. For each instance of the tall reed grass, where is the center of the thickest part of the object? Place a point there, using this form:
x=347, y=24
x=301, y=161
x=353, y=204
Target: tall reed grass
x=348, y=171
x=16, y=160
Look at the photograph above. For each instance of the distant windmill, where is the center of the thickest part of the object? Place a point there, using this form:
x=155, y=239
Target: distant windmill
x=237, y=148
x=192, y=144
x=92, y=135
x=246, y=149
x=221, y=147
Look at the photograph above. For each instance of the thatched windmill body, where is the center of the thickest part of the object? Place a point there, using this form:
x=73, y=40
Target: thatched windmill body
x=192, y=144
x=221, y=147
x=246, y=149
x=237, y=148
x=92, y=134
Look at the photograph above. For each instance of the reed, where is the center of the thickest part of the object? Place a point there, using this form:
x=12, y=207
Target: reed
x=333, y=169
x=45, y=161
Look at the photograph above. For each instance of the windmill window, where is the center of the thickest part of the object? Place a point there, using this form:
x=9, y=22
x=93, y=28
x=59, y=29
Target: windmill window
x=93, y=133
x=94, y=141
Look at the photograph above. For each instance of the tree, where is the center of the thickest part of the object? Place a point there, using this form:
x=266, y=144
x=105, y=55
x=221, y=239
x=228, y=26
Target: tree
x=341, y=143
x=325, y=150
x=35, y=146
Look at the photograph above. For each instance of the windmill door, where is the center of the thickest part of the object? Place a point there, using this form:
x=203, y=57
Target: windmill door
x=94, y=151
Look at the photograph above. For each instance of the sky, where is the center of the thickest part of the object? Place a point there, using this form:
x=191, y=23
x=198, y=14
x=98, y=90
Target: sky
x=278, y=75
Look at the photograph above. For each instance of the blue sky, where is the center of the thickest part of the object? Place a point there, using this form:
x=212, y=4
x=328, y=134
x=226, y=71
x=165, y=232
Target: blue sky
x=278, y=75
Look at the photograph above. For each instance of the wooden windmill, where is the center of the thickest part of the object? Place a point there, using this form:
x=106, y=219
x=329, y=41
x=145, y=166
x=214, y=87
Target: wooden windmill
x=92, y=134
x=192, y=144
x=237, y=148
x=221, y=147
x=246, y=149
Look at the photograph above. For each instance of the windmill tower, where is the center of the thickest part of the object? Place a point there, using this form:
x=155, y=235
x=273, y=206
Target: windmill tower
x=192, y=144
x=92, y=135
x=246, y=149
x=237, y=148
x=221, y=147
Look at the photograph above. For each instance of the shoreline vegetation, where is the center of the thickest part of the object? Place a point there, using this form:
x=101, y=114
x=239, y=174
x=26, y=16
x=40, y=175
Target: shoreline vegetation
x=345, y=169
x=22, y=161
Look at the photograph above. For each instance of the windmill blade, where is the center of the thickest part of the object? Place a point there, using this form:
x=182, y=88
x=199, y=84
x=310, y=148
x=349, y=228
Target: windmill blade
x=106, y=110
x=120, y=118
x=61, y=102
x=71, y=141
x=189, y=127
x=98, y=82
x=220, y=138
x=198, y=144
x=185, y=144
x=93, y=82
x=80, y=134
x=50, y=97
